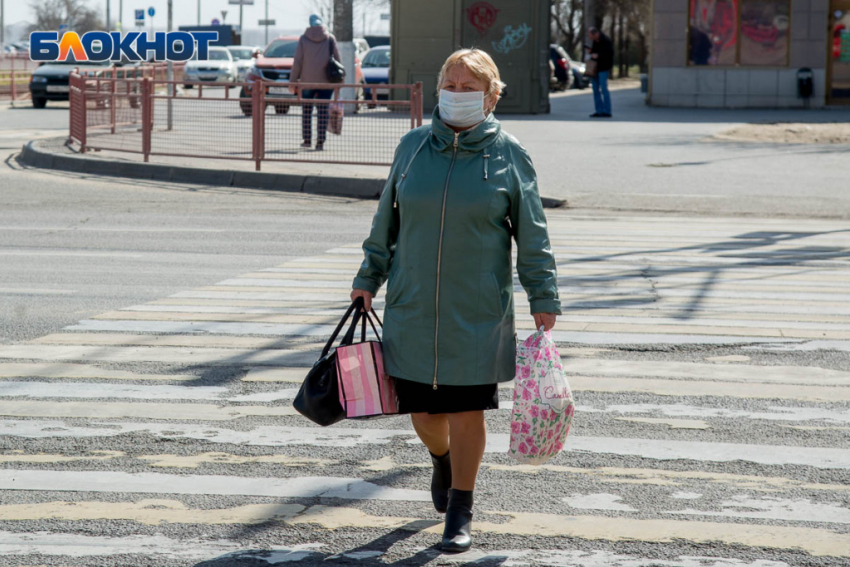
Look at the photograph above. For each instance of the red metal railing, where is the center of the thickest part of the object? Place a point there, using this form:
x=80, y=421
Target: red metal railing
x=15, y=72
x=259, y=121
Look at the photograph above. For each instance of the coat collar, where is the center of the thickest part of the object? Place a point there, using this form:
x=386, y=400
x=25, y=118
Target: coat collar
x=472, y=140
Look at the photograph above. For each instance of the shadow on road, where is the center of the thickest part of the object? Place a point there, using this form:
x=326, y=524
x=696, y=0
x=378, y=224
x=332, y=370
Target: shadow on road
x=366, y=555
x=746, y=248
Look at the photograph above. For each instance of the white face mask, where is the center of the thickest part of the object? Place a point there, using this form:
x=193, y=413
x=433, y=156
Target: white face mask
x=462, y=109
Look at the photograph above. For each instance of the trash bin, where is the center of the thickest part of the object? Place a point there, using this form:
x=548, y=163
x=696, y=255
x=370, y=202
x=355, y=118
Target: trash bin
x=805, y=83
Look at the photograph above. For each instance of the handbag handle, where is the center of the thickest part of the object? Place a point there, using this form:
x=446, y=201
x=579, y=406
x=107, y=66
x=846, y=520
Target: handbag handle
x=365, y=316
x=349, y=335
x=358, y=302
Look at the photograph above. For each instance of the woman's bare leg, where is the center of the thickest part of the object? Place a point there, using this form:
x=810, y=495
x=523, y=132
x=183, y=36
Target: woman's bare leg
x=433, y=430
x=467, y=437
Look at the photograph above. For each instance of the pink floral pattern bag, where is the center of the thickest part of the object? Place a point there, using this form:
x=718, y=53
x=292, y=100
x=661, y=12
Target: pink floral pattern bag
x=543, y=403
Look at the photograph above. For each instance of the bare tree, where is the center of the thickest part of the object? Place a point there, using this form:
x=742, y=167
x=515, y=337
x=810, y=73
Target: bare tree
x=568, y=20
x=50, y=14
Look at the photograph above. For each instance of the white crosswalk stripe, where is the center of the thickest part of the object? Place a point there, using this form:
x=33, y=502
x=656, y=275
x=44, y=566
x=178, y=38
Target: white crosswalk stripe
x=740, y=456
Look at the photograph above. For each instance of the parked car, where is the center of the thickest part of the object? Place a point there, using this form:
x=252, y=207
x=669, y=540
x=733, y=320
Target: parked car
x=561, y=77
x=580, y=80
x=273, y=68
x=376, y=71
x=244, y=56
x=50, y=80
x=218, y=67
x=361, y=48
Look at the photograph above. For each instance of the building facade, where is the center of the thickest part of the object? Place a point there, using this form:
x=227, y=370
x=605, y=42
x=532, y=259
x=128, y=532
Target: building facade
x=749, y=53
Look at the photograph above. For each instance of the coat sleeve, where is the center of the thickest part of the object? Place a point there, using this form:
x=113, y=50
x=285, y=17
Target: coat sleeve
x=535, y=260
x=298, y=64
x=335, y=43
x=379, y=247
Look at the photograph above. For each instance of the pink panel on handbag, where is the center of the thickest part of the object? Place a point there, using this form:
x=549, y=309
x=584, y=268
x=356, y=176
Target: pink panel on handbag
x=388, y=393
x=362, y=387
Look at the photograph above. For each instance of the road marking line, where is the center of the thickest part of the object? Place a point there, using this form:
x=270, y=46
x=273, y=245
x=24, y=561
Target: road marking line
x=773, y=508
x=149, y=512
x=276, y=436
x=219, y=485
x=804, y=375
x=585, y=338
x=21, y=457
x=33, y=291
x=79, y=371
x=78, y=546
x=671, y=423
x=194, y=461
x=818, y=542
x=162, y=411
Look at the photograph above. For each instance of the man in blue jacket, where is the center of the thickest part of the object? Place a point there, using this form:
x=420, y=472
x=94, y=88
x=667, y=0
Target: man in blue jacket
x=602, y=51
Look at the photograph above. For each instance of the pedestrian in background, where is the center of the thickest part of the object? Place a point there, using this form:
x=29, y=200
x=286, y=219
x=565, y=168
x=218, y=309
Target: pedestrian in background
x=458, y=191
x=314, y=51
x=602, y=51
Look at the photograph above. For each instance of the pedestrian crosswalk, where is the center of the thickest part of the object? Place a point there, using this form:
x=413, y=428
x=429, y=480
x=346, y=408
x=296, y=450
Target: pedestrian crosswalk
x=708, y=358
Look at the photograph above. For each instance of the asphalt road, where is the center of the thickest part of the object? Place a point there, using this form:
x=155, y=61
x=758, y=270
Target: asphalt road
x=153, y=335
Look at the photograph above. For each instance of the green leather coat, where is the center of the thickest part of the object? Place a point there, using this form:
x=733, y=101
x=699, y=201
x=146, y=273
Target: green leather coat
x=442, y=237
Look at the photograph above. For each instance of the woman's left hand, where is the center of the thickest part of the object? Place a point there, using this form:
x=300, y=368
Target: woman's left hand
x=547, y=320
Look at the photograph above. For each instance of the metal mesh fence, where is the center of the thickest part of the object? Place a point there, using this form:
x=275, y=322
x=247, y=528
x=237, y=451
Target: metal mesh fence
x=328, y=131
x=14, y=85
x=269, y=123
x=202, y=127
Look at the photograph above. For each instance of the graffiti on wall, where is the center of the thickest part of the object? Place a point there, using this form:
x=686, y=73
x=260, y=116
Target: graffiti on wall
x=482, y=16
x=513, y=39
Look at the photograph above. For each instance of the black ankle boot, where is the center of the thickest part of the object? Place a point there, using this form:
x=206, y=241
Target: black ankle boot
x=441, y=481
x=457, y=535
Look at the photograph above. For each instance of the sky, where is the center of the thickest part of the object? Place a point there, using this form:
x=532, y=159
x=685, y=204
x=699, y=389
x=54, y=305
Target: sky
x=290, y=15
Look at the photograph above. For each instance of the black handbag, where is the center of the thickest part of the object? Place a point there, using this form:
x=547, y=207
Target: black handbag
x=318, y=397
x=335, y=70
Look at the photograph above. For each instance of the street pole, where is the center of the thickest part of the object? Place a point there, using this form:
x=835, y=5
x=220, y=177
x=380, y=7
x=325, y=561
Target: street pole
x=108, y=16
x=267, y=22
x=589, y=21
x=343, y=27
x=2, y=26
x=170, y=89
x=240, y=22
x=199, y=12
x=121, y=16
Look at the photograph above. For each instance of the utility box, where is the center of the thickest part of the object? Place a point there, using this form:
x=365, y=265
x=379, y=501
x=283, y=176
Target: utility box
x=514, y=32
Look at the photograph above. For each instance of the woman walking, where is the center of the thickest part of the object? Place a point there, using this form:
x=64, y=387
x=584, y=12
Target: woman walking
x=458, y=190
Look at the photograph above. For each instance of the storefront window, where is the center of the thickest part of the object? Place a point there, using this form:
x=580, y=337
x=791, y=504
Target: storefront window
x=713, y=32
x=764, y=32
x=715, y=38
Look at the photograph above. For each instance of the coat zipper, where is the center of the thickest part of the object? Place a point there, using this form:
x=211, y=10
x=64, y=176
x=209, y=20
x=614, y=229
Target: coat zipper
x=440, y=258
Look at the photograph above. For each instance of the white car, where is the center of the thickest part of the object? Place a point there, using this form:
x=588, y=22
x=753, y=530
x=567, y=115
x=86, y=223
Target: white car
x=218, y=67
x=244, y=57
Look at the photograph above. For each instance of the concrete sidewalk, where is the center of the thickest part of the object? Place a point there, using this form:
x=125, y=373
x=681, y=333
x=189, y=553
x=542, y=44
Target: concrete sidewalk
x=644, y=159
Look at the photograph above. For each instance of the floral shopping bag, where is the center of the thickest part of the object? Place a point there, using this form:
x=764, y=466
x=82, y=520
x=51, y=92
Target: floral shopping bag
x=543, y=404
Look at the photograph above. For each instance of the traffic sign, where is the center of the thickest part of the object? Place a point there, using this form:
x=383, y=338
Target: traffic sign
x=266, y=23
x=63, y=28
x=151, y=12
x=140, y=18
x=215, y=22
x=385, y=16
x=242, y=2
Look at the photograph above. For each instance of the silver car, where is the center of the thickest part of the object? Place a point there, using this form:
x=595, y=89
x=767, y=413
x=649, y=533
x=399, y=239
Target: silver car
x=218, y=67
x=243, y=56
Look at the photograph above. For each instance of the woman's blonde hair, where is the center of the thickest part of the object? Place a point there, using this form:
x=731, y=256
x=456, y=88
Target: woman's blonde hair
x=480, y=64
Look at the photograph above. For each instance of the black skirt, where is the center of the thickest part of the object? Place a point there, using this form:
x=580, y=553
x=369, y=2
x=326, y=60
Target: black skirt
x=416, y=397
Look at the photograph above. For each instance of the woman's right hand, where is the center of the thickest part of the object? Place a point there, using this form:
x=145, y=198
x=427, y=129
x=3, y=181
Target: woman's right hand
x=367, y=297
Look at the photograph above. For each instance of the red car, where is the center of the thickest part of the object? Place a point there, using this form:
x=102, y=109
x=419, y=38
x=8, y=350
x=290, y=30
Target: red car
x=273, y=66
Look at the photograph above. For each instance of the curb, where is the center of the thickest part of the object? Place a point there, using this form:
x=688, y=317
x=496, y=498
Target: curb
x=34, y=156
